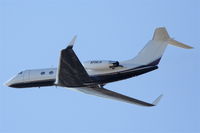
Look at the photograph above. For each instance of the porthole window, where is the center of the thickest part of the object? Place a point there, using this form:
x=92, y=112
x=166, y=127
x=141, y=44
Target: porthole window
x=42, y=73
x=51, y=72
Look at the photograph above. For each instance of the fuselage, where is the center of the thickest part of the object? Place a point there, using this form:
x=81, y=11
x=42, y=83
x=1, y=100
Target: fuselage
x=47, y=77
x=91, y=76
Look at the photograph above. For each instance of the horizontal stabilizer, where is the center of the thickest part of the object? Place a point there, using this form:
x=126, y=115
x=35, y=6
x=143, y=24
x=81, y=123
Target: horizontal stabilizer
x=161, y=34
x=179, y=44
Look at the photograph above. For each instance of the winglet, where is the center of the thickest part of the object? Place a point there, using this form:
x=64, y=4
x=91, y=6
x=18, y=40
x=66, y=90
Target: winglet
x=155, y=102
x=71, y=43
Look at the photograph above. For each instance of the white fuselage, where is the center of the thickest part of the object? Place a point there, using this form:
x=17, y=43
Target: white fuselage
x=47, y=77
x=35, y=75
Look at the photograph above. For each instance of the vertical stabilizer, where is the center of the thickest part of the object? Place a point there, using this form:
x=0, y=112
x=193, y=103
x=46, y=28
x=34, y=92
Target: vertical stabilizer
x=154, y=49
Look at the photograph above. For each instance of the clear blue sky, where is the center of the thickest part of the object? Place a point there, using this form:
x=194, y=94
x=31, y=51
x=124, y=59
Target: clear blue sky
x=32, y=33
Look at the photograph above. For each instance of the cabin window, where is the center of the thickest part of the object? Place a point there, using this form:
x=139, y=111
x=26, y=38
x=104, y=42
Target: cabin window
x=42, y=73
x=51, y=72
x=20, y=73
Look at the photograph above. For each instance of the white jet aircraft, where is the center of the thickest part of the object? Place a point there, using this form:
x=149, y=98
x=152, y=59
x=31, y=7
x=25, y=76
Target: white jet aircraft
x=91, y=76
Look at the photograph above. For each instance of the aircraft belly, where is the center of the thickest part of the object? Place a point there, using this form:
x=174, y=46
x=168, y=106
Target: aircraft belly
x=39, y=83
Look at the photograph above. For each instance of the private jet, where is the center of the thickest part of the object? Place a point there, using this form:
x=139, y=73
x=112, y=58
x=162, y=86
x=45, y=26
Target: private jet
x=91, y=76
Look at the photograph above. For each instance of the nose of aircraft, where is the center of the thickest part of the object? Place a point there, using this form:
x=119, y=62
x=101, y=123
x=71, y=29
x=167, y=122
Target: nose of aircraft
x=11, y=81
x=8, y=83
x=18, y=78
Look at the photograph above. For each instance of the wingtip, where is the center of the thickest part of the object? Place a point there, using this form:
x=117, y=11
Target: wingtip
x=157, y=100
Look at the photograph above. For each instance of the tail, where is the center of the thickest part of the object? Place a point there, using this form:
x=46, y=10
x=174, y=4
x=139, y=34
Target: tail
x=154, y=49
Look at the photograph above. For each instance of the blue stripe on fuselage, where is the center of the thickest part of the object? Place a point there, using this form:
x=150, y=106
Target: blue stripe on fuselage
x=116, y=76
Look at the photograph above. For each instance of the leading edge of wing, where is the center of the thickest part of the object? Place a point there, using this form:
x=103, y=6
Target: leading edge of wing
x=102, y=92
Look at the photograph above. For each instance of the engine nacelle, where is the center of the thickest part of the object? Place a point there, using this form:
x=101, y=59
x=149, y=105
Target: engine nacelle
x=101, y=64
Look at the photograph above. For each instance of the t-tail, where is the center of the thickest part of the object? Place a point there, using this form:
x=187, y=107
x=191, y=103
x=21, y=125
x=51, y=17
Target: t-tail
x=154, y=49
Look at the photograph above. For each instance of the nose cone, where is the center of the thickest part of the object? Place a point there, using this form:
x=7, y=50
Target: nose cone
x=11, y=82
x=8, y=83
x=15, y=80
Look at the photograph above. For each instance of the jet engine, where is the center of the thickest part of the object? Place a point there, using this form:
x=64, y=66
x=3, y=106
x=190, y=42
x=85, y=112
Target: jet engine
x=101, y=64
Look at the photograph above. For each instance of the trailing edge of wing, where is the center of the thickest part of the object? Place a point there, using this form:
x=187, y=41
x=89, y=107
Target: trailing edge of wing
x=102, y=92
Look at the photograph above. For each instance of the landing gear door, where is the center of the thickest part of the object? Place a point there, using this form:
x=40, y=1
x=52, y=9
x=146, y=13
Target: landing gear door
x=26, y=76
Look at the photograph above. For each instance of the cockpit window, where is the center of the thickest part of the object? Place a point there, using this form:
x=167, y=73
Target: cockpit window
x=51, y=72
x=42, y=73
x=20, y=73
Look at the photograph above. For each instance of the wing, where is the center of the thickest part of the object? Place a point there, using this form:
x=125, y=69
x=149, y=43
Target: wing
x=102, y=92
x=71, y=72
